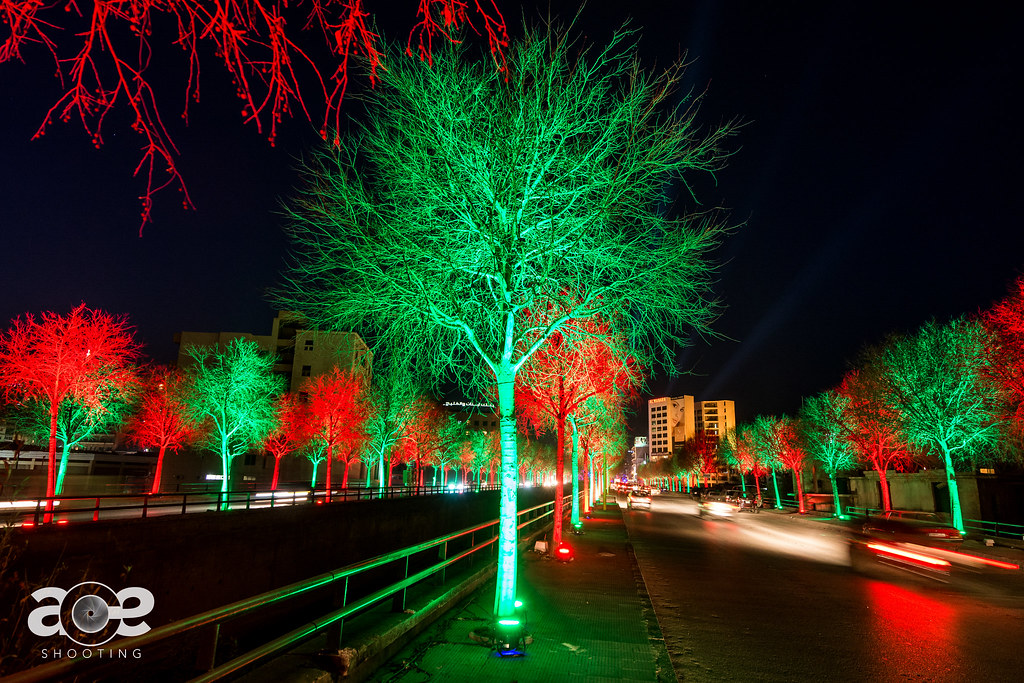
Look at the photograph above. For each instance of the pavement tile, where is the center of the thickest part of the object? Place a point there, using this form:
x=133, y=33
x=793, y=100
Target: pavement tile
x=589, y=619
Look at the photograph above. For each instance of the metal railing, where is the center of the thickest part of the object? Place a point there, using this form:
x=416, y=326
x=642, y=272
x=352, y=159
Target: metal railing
x=451, y=548
x=979, y=527
x=996, y=529
x=66, y=509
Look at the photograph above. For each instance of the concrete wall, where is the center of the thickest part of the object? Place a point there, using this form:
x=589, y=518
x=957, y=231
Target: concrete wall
x=195, y=562
x=916, y=491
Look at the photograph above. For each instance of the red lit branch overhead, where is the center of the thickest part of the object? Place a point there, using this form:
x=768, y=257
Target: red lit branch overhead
x=282, y=57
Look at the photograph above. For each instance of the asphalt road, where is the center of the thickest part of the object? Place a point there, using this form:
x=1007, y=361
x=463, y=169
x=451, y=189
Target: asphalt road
x=768, y=597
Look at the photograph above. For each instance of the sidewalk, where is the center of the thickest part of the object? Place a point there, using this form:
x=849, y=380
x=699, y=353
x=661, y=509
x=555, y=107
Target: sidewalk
x=589, y=620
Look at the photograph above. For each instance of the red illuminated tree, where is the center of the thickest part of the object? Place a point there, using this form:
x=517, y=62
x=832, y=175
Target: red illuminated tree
x=1005, y=353
x=336, y=416
x=162, y=419
x=58, y=358
x=290, y=432
x=872, y=426
x=580, y=361
x=781, y=438
x=745, y=448
x=283, y=58
x=79, y=422
x=429, y=430
x=702, y=452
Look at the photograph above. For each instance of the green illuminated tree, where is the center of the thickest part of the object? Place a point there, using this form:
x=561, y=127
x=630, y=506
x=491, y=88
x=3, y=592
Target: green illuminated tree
x=935, y=381
x=466, y=197
x=825, y=433
x=77, y=422
x=429, y=431
x=233, y=392
x=390, y=401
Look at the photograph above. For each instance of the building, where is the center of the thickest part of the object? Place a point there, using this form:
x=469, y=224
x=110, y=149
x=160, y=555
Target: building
x=715, y=417
x=669, y=421
x=673, y=420
x=301, y=352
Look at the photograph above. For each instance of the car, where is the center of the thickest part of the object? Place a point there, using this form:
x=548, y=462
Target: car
x=639, y=498
x=733, y=495
x=747, y=501
x=715, y=506
x=913, y=526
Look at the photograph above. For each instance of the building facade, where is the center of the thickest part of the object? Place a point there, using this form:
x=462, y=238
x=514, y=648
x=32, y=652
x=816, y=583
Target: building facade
x=673, y=420
x=715, y=417
x=302, y=353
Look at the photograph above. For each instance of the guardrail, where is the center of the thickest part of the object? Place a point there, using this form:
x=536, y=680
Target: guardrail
x=336, y=583
x=978, y=526
x=66, y=509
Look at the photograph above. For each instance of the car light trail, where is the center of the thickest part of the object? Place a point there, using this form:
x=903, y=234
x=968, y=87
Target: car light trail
x=909, y=555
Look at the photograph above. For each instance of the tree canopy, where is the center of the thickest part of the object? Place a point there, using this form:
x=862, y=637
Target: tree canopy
x=467, y=197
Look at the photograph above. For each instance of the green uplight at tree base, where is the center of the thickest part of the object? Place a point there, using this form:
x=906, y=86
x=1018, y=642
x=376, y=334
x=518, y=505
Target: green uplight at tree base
x=466, y=198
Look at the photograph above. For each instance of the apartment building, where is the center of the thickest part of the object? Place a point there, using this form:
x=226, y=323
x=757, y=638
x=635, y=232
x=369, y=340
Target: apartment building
x=301, y=352
x=673, y=420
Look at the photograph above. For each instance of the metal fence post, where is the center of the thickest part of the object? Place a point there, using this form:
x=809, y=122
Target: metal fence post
x=398, y=602
x=207, y=653
x=334, y=630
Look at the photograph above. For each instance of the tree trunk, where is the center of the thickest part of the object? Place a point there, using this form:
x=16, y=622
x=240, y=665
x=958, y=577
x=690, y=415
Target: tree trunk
x=312, y=481
x=330, y=463
x=62, y=469
x=799, y=491
x=778, y=497
x=575, y=510
x=225, y=473
x=556, y=532
x=159, y=469
x=954, y=492
x=344, y=474
x=505, y=588
x=836, y=502
x=886, y=496
x=277, y=471
x=51, y=466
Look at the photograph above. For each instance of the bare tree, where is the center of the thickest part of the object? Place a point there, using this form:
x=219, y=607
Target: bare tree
x=466, y=197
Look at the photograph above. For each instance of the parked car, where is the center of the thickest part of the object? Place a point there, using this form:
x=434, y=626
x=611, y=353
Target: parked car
x=639, y=498
x=748, y=501
x=914, y=526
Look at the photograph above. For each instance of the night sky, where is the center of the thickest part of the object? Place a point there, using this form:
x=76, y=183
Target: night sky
x=877, y=181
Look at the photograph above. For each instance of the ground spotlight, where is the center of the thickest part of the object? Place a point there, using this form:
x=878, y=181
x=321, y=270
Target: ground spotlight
x=564, y=553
